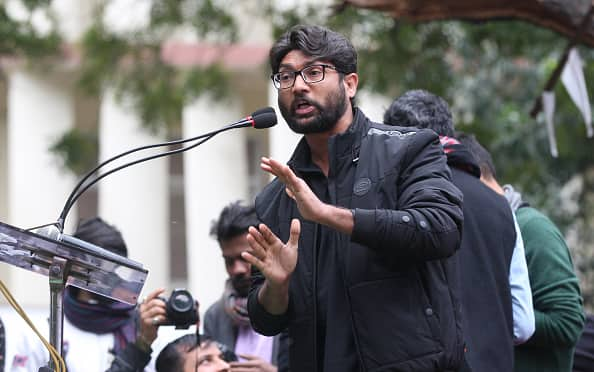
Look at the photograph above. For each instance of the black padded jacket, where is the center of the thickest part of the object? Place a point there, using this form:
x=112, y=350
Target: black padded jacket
x=399, y=275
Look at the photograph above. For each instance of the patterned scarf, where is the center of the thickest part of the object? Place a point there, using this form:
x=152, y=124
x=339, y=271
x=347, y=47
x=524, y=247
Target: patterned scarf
x=459, y=157
x=235, y=306
x=448, y=143
x=101, y=318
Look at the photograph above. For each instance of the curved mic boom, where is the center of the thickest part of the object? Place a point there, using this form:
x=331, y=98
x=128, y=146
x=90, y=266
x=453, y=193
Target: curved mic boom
x=259, y=119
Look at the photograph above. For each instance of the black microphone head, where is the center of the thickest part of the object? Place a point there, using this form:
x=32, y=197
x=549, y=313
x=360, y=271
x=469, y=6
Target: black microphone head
x=264, y=118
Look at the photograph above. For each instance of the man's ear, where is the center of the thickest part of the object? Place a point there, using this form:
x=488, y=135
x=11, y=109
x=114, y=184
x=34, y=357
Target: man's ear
x=351, y=81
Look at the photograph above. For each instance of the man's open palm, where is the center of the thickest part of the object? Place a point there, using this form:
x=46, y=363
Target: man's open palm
x=275, y=259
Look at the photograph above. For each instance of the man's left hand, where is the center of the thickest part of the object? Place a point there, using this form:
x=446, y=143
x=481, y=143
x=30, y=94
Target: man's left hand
x=252, y=364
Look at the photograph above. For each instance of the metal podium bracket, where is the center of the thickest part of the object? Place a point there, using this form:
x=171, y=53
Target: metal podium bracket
x=68, y=261
x=58, y=273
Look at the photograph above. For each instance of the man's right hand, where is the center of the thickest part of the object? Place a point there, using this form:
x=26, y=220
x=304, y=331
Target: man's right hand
x=152, y=314
x=276, y=260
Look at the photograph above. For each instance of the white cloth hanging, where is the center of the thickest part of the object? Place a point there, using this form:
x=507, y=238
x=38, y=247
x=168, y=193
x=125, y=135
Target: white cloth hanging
x=575, y=84
x=548, y=104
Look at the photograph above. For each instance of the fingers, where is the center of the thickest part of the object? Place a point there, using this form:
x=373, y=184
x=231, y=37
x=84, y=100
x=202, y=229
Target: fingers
x=154, y=294
x=249, y=365
x=252, y=260
x=265, y=165
x=278, y=169
x=268, y=235
x=284, y=174
x=241, y=367
x=157, y=310
x=294, y=233
x=247, y=356
x=263, y=236
x=290, y=193
x=152, y=313
x=256, y=242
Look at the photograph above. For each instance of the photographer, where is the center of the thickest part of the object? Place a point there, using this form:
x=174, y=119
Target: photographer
x=136, y=355
x=101, y=334
x=227, y=320
x=178, y=310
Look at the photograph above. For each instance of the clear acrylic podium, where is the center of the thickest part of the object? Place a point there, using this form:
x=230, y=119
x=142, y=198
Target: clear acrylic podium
x=88, y=267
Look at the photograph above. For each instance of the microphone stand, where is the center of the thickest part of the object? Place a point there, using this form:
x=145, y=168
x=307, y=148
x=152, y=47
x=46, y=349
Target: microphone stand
x=58, y=274
x=79, y=189
x=60, y=267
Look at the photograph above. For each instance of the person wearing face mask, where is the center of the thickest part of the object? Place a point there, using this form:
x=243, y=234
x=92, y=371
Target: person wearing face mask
x=227, y=319
x=101, y=334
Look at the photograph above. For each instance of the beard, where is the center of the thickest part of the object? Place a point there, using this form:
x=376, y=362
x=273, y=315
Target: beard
x=324, y=120
x=241, y=284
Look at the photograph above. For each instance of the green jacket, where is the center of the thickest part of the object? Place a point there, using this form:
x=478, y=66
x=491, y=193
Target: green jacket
x=555, y=295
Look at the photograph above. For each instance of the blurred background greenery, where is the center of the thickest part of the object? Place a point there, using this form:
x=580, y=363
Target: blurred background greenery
x=489, y=72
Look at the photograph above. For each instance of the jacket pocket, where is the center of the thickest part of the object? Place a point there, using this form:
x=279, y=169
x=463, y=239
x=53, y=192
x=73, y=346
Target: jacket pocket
x=394, y=321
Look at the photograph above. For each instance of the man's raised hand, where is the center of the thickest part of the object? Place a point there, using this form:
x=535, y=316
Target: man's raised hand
x=308, y=203
x=275, y=259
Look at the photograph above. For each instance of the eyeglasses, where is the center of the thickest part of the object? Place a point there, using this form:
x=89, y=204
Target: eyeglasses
x=309, y=74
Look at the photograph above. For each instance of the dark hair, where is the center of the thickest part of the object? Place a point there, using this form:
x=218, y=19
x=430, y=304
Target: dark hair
x=98, y=232
x=234, y=220
x=171, y=358
x=317, y=42
x=421, y=109
x=482, y=156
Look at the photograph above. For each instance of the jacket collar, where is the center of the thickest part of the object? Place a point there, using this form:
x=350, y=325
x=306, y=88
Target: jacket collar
x=341, y=145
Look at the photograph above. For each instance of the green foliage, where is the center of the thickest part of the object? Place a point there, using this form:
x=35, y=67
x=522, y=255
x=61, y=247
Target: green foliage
x=78, y=150
x=101, y=50
x=35, y=4
x=490, y=72
x=20, y=38
x=133, y=64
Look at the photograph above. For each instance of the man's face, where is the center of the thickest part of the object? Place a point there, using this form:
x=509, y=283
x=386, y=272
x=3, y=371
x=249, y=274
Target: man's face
x=237, y=268
x=313, y=107
x=206, y=359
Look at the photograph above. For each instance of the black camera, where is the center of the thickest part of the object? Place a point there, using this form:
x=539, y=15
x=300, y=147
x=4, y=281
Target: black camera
x=181, y=309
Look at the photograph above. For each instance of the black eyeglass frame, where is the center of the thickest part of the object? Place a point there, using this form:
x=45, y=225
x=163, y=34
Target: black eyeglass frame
x=277, y=83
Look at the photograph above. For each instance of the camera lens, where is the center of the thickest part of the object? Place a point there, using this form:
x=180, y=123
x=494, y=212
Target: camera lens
x=181, y=309
x=181, y=301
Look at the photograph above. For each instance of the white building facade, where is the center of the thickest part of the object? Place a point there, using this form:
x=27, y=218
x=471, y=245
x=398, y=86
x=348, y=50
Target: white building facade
x=164, y=207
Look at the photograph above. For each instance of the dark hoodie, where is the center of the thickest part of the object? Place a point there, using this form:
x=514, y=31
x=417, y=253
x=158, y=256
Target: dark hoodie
x=488, y=241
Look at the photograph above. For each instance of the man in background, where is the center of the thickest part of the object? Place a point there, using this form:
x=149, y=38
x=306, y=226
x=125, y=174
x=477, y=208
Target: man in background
x=184, y=354
x=555, y=287
x=227, y=320
x=495, y=290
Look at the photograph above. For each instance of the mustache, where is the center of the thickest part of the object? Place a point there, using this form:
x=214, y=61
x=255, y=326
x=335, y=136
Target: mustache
x=241, y=280
x=241, y=284
x=302, y=99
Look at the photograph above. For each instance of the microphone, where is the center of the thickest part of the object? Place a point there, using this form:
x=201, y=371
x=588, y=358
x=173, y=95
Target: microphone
x=259, y=119
x=264, y=118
